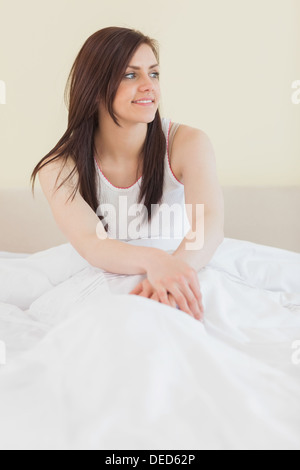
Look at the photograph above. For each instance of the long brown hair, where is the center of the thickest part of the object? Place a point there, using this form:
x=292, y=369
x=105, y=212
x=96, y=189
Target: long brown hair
x=96, y=74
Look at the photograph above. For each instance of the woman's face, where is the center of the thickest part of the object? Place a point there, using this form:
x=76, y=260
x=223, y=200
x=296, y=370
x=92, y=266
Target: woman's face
x=139, y=84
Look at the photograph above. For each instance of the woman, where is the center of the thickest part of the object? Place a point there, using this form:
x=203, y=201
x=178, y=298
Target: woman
x=115, y=135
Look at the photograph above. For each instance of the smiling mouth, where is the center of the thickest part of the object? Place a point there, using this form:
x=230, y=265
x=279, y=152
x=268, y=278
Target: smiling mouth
x=143, y=100
x=144, y=103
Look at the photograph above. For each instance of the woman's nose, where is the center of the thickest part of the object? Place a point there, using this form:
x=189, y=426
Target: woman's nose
x=147, y=84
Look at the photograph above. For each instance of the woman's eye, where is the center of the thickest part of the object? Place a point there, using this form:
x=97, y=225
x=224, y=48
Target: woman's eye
x=129, y=74
x=153, y=73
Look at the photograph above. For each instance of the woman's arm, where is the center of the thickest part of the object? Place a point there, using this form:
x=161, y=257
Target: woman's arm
x=83, y=229
x=119, y=257
x=80, y=224
x=203, y=197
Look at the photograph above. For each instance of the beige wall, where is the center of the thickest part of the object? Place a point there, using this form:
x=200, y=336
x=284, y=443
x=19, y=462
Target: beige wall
x=227, y=67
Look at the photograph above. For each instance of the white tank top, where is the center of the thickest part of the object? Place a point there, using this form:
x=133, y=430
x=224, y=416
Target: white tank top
x=120, y=208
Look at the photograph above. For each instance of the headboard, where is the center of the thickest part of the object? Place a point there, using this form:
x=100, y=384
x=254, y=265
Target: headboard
x=267, y=216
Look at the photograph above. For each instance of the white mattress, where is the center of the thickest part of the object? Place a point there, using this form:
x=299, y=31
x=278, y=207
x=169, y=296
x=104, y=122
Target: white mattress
x=90, y=367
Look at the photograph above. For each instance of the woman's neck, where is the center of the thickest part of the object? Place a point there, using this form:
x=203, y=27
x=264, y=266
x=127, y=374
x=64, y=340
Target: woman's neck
x=120, y=145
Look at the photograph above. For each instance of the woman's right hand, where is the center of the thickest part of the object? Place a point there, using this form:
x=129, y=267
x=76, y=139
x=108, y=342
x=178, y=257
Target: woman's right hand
x=170, y=275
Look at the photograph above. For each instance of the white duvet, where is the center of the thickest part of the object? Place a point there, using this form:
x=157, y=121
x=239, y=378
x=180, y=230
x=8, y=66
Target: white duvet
x=90, y=367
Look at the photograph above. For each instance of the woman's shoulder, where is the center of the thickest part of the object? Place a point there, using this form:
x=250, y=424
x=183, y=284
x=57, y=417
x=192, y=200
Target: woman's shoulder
x=180, y=128
x=180, y=132
x=181, y=136
x=56, y=170
x=185, y=129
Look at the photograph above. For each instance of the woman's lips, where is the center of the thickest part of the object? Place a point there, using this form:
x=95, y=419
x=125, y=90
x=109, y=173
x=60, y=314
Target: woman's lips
x=144, y=104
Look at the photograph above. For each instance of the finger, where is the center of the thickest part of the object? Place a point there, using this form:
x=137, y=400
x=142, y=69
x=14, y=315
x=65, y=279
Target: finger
x=195, y=286
x=190, y=298
x=147, y=290
x=155, y=297
x=172, y=300
x=194, y=300
x=180, y=299
x=137, y=290
x=186, y=300
x=162, y=295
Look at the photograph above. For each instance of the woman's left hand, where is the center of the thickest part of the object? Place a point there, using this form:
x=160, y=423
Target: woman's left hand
x=145, y=289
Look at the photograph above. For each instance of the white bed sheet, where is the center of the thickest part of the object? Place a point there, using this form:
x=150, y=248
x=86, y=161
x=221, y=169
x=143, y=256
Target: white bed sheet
x=90, y=367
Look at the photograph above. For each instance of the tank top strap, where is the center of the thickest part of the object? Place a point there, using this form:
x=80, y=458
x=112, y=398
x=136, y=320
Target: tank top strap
x=170, y=129
x=172, y=133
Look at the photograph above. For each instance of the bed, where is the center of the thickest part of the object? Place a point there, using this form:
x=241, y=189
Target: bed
x=83, y=365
